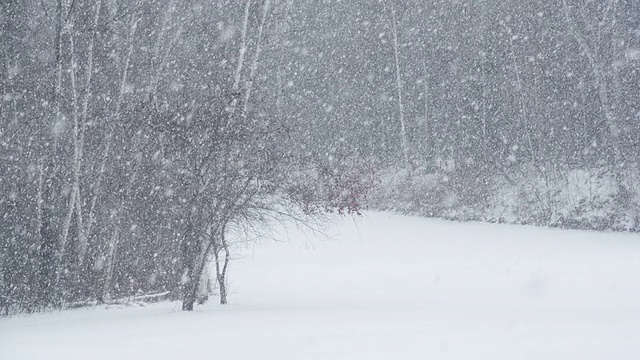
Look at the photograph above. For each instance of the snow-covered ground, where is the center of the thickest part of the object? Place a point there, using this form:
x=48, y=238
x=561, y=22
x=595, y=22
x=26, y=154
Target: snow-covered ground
x=386, y=287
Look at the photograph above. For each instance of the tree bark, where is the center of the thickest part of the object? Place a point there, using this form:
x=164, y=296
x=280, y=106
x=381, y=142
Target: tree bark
x=256, y=58
x=403, y=126
x=237, y=76
x=221, y=271
x=110, y=265
x=194, y=274
x=83, y=236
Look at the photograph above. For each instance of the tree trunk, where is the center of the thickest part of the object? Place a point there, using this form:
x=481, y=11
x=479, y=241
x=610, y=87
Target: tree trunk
x=191, y=250
x=194, y=274
x=111, y=260
x=221, y=271
x=237, y=76
x=256, y=57
x=403, y=127
x=187, y=303
x=83, y=237
x=203, y=287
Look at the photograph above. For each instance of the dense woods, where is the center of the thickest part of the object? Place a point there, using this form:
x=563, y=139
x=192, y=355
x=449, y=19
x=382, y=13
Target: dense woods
x=136, y=135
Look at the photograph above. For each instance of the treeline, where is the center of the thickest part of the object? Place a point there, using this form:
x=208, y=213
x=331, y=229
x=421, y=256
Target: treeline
x=135, y=135
x=534, y=104
x=483, y=82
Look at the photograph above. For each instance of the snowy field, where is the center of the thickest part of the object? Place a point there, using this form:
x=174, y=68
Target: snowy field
x=384, y=287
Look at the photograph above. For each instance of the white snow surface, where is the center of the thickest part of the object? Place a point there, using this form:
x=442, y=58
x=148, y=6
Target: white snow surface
x=384, y=287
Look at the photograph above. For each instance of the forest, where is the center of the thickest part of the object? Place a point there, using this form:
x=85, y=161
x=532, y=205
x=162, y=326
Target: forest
x=137, y=135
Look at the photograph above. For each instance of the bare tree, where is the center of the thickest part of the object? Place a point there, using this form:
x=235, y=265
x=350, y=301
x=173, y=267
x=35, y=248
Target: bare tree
x=393, y=21
x=591, y=28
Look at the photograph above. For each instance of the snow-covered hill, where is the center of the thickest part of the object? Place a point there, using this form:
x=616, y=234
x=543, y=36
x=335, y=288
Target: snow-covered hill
x=384, y=287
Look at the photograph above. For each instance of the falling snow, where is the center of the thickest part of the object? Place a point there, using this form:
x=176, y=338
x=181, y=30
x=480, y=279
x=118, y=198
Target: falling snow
x=144, y=142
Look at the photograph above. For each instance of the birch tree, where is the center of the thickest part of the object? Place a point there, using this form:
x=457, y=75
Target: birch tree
x=393, y=22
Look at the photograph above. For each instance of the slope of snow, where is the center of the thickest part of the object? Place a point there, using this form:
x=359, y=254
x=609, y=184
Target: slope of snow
x=385, y=287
